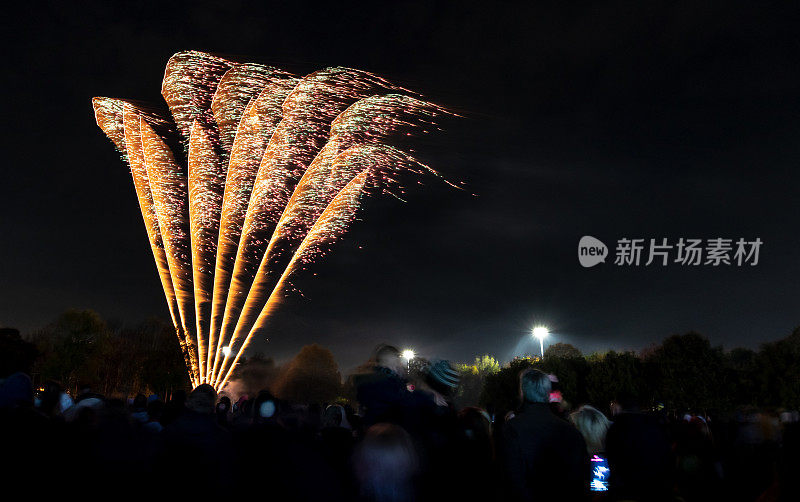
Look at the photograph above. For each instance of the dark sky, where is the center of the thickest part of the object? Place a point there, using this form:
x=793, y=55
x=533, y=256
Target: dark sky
x=611, y=119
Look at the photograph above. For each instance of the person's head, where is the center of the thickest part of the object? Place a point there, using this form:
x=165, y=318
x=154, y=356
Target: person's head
x=50, y=398
x=593, y=425
x=475, y=429
x=16, y=391
x=335, y=416
x=246, y=408
x=443, y=378
x=86, y=412
x=154, y=409
x=625, y=402
x=65, y=402
x=224, y=405
x=534, y=386
x=385, y=464
x=139, y=402
x=265, y=407
x=388, y=356
x=201, y=400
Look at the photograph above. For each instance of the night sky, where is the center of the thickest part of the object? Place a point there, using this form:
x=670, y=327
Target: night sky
x=626, y=119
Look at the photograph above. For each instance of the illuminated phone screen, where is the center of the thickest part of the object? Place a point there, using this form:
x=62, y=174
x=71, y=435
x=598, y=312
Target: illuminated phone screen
x=600, y=473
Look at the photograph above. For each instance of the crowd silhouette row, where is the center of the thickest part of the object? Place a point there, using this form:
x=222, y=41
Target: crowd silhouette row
x=402, y=439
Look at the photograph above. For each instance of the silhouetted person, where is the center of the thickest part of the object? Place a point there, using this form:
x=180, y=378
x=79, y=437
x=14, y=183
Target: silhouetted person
x=337, y=439
x=174, y=408
x=789, y=462
x=85, y=392
x=593, y=426
x=545, y=457
x=385, y=465
x=283, y=455
x=50, y=404
x=241, y=412
x=196, y=449
x=28, y=439
x=639, y=455
x=139, y=410
x=474, y=457
x=223, y=410
x=698, y=476
x=432, y=422
x=155, y=410
x=382, y=393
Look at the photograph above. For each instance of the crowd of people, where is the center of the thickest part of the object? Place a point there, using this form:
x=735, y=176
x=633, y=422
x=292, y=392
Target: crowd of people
x=401, y=440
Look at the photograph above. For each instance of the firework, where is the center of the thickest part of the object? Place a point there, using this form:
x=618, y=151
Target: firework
x=120, y=121
x=256, y=127
x=271, y=173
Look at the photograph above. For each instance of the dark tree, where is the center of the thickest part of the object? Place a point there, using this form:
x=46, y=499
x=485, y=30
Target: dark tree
x=255, y=373
x=777, y=372
x=563, y=350
x=311, y=377
x=741, y=380
x=688, y=373
x=612, y=374
x=472, y=379
x=81, y=348
x=71, y=348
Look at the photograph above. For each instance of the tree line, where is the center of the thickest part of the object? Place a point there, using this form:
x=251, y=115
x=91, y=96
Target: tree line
x=682, y=373
x=81, y=350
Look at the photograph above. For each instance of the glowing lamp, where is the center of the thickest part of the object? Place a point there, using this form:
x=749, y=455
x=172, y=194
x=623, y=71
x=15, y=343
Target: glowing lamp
x=540, y=333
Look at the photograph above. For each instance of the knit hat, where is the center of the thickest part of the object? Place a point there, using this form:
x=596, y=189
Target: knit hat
x=442, y=377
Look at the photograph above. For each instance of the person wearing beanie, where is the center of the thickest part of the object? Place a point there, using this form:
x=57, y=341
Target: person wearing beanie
x=442, y=380
x=435, y=426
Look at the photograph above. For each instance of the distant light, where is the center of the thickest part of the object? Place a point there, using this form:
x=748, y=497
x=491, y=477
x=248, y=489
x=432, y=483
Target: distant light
x=540, y=332
x=409, y=354
x=226, y=350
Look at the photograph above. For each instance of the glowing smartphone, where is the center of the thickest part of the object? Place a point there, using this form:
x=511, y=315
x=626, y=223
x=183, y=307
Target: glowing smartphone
x=600, y=473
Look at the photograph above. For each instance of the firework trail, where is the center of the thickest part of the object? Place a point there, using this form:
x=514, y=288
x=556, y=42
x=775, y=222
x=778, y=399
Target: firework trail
x=358, y=171
x=330, y=225
x=120, y=121
x=271, y=172
x=368, y=121
x=190, y=82
x=307, y=115
x=196, y=88
x=208, y=158
x=206, y=178
x=302, y=229
x=168, y=184
x=256, y=126
x=108, y=115
x=237, y=88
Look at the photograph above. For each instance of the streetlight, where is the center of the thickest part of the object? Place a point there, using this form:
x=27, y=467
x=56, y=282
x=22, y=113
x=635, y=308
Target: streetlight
x=226, y=350
x=540, y=332
x=408, y=355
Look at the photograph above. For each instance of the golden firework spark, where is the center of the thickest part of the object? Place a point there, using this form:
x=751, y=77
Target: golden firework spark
x=271, y=173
